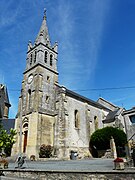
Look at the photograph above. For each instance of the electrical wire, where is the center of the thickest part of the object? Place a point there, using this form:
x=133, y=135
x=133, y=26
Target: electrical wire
x=95, y=89
x=107, y=88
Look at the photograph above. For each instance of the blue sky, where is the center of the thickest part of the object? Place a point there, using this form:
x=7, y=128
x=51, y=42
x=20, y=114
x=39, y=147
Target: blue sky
x=96, y=41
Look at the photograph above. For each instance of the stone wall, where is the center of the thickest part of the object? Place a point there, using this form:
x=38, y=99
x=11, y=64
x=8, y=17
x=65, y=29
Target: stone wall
x=55, y=175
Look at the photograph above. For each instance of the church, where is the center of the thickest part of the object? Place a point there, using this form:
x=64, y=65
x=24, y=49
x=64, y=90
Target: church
x=49, y=113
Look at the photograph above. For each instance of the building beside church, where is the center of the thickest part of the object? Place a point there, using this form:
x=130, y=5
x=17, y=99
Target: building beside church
x=4, y=109
x=4, y=102
x=129, y=117
x=115, y=117
x=49, y=113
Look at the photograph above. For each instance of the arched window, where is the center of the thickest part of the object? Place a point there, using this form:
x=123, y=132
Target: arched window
x=25, y=126
x=77, y=119
x=45, y=58
x=48, y=79
x=29, y=98
x=29, y=91
x=30, y=59
x=96, y=122
x=47, y=99
x=51, y=57
x=88, y=113
x=35, y=56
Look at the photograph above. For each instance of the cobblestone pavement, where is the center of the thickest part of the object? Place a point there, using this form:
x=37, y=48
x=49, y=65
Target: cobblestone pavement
x=72, y=165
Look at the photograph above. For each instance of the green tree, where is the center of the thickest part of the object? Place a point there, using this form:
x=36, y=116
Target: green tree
x=7, y=140
x=101, y=138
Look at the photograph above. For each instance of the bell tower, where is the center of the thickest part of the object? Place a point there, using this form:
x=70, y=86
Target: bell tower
x=41, y=73
x=36, y=110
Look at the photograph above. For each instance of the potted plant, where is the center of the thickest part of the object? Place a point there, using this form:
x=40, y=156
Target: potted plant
x=32, y=158
x=3, y=163
x=119, y=164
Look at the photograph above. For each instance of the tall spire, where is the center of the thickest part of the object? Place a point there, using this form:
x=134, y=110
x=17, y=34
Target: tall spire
x=43, y=35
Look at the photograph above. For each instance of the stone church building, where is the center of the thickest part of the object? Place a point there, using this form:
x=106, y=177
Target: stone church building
x=49, y=113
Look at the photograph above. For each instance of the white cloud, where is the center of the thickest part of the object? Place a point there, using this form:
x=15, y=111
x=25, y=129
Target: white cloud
x=97, y=18
x=74, y=68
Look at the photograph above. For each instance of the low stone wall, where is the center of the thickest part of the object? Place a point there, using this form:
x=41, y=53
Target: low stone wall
x=70, y=175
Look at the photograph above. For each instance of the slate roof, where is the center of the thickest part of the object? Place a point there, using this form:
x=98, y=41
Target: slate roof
x=112, y=114
x=130, y=111
x=8, y=124
x=82, y=98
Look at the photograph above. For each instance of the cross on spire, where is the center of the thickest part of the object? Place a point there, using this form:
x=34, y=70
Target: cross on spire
x=44, y=13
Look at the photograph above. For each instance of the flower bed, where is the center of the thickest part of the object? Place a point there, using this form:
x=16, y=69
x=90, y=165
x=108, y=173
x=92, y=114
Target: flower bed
x=119, y=164
x=118, y=160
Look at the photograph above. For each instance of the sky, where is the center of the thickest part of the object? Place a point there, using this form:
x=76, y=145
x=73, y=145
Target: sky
x=96, y=46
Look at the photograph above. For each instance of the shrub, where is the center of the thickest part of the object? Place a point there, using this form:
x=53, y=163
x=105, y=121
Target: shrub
x=45, y=151
x=101, y=138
